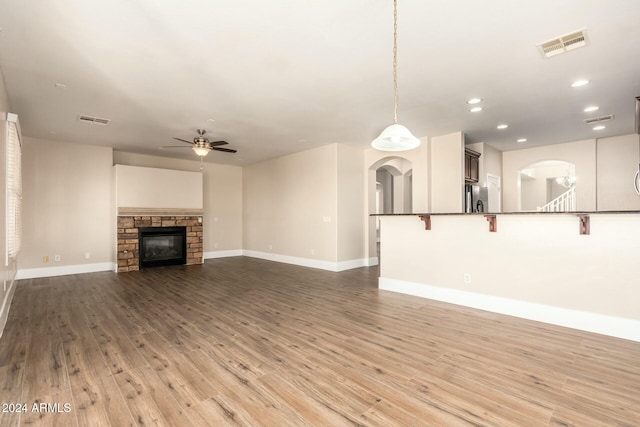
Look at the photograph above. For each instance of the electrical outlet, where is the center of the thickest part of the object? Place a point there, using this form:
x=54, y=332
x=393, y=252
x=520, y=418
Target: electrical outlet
x=56, y=258
x=313, y=251
x=467, y=278
x=270, y=247
x=215, y=245
x=87, y=255
x=45, y=258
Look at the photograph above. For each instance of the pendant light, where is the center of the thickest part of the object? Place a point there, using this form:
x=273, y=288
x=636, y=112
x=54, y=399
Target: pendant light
x=395, y=137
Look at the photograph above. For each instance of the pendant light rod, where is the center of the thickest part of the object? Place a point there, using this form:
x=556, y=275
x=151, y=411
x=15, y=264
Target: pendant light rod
x=395, y=61
x=395, y=137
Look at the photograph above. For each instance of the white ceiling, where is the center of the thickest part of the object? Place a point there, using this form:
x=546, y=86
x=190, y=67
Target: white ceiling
x=288, y=75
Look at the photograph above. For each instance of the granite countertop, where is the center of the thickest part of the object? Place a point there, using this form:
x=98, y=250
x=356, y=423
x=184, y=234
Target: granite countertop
x=509, y=213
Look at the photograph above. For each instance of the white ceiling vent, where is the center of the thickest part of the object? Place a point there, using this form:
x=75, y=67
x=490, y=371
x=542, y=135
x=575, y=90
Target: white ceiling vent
x=599, y=119
x=563, y=44
x=93, y=120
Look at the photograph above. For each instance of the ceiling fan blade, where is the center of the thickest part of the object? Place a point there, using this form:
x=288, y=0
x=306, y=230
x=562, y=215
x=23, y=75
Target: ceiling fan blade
x=175, y=146
x=217, y=143
x=226, y=150
x=183, y=140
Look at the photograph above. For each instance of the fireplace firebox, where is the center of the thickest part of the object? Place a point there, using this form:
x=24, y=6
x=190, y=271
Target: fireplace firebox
x=160, y=246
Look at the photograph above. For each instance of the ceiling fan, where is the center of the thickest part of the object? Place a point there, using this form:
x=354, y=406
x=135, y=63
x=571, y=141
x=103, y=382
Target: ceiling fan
x=201, y=144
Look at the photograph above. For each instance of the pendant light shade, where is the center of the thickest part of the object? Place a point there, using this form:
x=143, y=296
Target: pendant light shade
x=395, y=138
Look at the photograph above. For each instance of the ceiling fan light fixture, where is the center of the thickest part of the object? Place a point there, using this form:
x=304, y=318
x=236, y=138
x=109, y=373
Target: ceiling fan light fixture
x=395, y=138
x=201, y=151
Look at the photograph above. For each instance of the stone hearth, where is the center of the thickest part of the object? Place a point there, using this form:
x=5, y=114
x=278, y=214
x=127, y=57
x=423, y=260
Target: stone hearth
x=128, y=245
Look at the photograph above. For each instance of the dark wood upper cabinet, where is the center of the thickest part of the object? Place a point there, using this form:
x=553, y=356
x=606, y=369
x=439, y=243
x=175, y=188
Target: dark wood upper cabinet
x=471, y=165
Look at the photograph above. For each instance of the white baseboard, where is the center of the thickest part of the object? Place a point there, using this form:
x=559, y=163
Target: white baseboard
x=6, y=304
x=372, y=261
x=307, y=262
x=222, y=254
x=586, y=321
x=34, y=273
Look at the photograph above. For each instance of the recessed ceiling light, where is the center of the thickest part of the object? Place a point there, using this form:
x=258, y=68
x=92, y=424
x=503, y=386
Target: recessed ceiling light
x=522, y=140
x=60, y=86
x=475, y=109
x=211, y=120
x=502, y=126
x=579, y=83
x=474, y=101
x=302, y=140
x=599, y=127
x=591, y=108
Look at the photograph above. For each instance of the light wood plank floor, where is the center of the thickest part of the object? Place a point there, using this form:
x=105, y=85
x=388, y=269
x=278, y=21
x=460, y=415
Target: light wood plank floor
x=241, y=341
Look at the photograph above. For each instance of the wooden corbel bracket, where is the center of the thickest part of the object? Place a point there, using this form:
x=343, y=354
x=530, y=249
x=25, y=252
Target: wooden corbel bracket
x=493, y=223
x=585, y=224
x=427, y=221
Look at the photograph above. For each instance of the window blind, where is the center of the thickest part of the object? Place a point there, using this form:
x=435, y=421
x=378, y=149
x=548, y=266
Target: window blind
x=13, y=170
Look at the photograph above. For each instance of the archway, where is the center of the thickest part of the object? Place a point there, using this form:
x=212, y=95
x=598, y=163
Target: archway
x=548, y=185
x=390, y=190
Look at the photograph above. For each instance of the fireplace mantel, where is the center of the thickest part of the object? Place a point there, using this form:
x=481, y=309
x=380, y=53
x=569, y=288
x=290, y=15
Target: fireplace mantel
x=125, y=211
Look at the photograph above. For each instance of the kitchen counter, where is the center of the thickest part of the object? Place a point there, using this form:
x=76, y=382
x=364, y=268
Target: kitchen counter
x=574, y=269
x=509, y=213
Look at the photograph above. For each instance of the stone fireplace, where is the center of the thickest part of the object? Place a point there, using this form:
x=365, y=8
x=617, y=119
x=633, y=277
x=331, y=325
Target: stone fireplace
x=167, y=227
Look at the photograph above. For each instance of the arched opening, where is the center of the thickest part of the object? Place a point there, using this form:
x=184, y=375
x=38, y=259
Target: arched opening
x=547, y=186
x=390, y=190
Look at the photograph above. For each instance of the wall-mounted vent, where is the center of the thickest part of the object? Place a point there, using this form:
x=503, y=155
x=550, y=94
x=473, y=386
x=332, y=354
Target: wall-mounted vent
x=93, y=120
x=563, y=44
x=599, y=119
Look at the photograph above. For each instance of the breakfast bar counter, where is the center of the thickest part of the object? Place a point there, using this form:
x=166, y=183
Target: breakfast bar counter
x=575, y=269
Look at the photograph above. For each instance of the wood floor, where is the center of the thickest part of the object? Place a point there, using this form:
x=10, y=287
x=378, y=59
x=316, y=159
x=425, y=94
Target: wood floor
x=241, y=341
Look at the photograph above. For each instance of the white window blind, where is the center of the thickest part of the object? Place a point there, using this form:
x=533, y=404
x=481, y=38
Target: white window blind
x=13, y=188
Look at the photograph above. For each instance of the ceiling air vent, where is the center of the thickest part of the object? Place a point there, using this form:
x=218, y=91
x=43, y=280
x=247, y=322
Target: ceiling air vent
x=599, y=119
x=563, y=44
x=93, y=120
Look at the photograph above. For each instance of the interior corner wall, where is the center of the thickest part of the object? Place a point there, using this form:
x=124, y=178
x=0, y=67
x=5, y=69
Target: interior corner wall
x=222, y=198
x=4, y=96
x=66, y=204
x=350, y=204
x=581, y=153
x=446, y=160
x=290, y=207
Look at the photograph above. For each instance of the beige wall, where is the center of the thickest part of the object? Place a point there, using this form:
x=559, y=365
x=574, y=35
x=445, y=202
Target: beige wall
x=446, y=160
x=4, y=96
x=604, y=171
x=290, y=205
x=581, y=153
x=222, y=198
x=350, y=203
x=144, y=187
x=618, y=159
x=67, y=204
